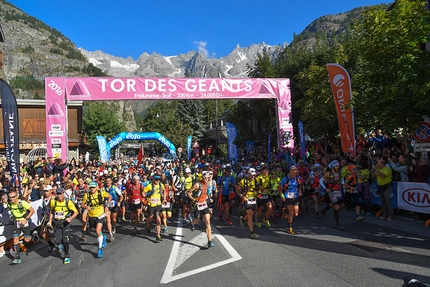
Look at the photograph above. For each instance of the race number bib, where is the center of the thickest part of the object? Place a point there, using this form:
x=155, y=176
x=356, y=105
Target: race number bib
x=165, y=205
x=111, y=204
x=155, y=201
x=59, y=215
x=264, y=196
x=291, y=195
x=201, y=206
x=135, y=201
x=337, y=194
x=102, y=216
x=251, y=201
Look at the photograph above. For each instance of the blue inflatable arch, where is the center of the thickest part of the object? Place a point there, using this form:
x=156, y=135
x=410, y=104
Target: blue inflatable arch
x=105, y=147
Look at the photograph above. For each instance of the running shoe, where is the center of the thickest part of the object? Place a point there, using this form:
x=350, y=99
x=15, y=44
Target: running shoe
x=258, y=224
x=158, y=238
x=84, y=237
x=104, y=241
x=390, y=218
x=192, y=228
x=267, y=222
x=383, y=217
x=114, y=230
x=228, y=221
x=148, y=229
x=242, y=222
x=340, y=227
x=17, y=261
x=368, y=214
x=165, y=228
x=111, y=238
x=100, y=253
x=284, y=213
x=210, y=244
x=254, y=235
x=66, y=260
x=220, y=218
x=290, y=230
x=123, y=218
x=359, y=217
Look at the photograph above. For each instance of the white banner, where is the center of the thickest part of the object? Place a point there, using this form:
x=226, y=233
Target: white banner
x=414, y=196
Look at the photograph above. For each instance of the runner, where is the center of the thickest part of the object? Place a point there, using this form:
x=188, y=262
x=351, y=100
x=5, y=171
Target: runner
x=63, y=211
x=135, y=194
x=290, y=189
x=154, y=192
x=113, y=207
x=198, y=195
x=331, y=183
x=186, y=207
x=93, y=201
x=167, y=206
x=350, y=184
x=263, y=200
x=21, y=211
x=226, y=183
x=247, y=189
x=80, y=190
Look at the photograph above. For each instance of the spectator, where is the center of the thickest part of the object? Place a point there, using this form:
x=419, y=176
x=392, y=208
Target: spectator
x=402, y=167
x=420, y=170
x=383, y=173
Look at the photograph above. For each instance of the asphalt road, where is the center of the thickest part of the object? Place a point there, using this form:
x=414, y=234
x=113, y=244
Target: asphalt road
x=372, y=252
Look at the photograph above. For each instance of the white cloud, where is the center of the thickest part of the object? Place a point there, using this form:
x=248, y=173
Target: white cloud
x=201, y=47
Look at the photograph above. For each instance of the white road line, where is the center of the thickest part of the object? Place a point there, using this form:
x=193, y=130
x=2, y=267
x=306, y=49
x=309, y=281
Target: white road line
x=177, y=258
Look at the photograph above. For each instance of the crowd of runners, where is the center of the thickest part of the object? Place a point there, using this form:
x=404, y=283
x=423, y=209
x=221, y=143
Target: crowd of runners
x=145, y=194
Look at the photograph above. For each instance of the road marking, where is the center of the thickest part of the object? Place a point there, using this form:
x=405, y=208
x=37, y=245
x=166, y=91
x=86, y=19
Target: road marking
x=180, y=254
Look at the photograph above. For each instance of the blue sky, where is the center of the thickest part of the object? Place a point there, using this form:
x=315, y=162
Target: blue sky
x=131, y=27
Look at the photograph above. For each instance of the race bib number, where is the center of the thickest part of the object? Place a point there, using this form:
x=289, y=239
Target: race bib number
x=135, y=201
x=102, y=216
x=291, y=195
x=154, y=201
x=251, y=201
x=20, y=225
x=201, y=206
x=59, y=215
x=165, y=205
x=111, y=204
x=337, y=194
x=264, y=196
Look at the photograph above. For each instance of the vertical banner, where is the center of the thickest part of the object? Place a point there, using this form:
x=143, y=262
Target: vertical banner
x=190, y=138
x=56, y=118
x=231, y=136
x=10, y=131
x=140, y=155
x=341, y=87
x=302, y=140
x=104, y=150
x=268, y=148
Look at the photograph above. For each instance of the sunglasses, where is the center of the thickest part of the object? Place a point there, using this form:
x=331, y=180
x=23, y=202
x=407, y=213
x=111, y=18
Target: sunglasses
x=12, y=196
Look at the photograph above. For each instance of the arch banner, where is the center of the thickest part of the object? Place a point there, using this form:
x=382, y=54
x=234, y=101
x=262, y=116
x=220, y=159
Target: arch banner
x=58, y=90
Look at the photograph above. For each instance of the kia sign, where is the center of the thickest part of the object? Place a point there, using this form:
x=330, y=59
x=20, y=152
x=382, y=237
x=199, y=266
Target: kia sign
x=414, y=196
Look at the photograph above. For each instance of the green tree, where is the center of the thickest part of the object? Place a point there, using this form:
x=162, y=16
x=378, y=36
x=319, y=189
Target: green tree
x=191, y=112
x=390, y=75
x=99, y=119
x=162, y=118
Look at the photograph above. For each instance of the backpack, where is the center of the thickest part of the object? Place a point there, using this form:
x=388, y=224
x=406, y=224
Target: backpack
x=159, y=188
x=99, y=197
x=67, y=206
x=20, y=207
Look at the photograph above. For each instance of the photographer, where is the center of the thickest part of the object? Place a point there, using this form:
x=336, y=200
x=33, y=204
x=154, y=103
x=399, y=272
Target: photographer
x=21, y=212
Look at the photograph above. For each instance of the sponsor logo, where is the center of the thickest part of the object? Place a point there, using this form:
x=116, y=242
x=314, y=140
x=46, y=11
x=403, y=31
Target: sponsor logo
x=55, y=127
x=56, y=141
x=417, y=197
x=56, y=133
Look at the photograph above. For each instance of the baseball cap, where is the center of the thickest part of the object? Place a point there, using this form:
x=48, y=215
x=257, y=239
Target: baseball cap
x=92, y=184
x=252, y=171
x=187, y=170
x=48, y=187
x=59, y=190
x=156, y=177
